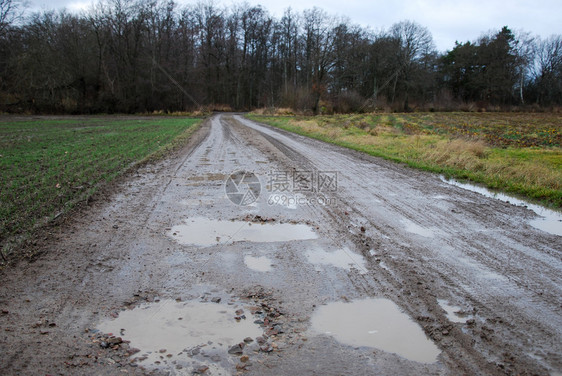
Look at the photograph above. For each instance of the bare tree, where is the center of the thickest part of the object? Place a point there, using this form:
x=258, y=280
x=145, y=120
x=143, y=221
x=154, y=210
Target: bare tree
x=547, y=70
x=318, y=51
x=524, y=48
x=415, y=43
x=10, y=12
x=144, y=55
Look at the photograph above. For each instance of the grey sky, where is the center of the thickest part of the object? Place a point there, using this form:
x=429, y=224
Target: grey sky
x=448, y=21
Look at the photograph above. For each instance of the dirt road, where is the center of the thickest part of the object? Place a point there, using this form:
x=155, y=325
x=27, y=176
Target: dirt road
x=344, y=264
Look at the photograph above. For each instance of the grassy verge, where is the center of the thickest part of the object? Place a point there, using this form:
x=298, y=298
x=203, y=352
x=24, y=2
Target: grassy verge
x=47, y=166
x=515, y=153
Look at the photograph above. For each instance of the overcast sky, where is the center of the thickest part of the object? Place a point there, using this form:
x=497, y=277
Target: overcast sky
x=448, y=21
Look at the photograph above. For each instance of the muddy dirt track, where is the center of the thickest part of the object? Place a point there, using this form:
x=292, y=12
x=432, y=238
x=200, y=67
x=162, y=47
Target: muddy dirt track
x=338, y=250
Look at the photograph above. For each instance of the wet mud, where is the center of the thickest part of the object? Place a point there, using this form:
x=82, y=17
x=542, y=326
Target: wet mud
x=342, y=264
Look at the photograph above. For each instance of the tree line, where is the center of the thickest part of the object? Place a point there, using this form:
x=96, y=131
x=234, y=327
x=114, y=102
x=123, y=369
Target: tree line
x=149, y=55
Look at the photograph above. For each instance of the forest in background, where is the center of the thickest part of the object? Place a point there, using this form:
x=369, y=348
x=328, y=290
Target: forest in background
x=131, y=56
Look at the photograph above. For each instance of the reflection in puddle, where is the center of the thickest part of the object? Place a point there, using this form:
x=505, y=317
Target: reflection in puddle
x=550, y=221
x=416, y=229
x=452, y=314
x=180, y=326
x=207, y=232
x=259, y=264
x=341, y=258
x=377, y=323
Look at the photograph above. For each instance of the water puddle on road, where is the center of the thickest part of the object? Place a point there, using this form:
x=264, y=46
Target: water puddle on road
x=376, y=323
x=416, y=229
x=259, y=264
x=452, y=311
x=168, y=331
x=550, y=220
x=341, y=258
x=205, y=232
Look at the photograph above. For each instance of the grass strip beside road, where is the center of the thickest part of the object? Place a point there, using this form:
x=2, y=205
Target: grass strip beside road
x=515, y=153
x=48, y=165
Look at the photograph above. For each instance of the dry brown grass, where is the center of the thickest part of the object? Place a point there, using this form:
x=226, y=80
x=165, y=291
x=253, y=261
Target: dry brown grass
x=533, y=171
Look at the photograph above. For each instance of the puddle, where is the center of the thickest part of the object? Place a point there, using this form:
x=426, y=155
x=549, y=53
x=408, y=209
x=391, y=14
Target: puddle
x=259, y=264
x=208, y=232
x=416, y=229
x=179, y=327
x=550, y=221
x=452, y=314
x=341, y=258
x=377, y=323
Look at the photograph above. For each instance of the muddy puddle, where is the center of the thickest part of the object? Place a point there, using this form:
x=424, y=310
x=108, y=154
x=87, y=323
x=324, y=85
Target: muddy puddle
x=170, y=333
x=376, y=323
x=259, y=264
x=550, y=220
x=208, y=232
x=453, y=312
x=341, y=258
x=417, y=229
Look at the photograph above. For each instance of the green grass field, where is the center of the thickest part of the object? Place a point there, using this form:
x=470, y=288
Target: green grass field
x=517, y=153
x=46, y=166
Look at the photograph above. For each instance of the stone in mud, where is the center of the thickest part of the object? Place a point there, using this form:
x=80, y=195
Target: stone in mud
x=236, y=349
x=201, y=370
x=216, y=299
x=260, y=340
x=115, y=341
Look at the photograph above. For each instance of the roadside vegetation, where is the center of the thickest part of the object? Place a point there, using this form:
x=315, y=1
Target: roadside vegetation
x=48, y=165
x=518, y=153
